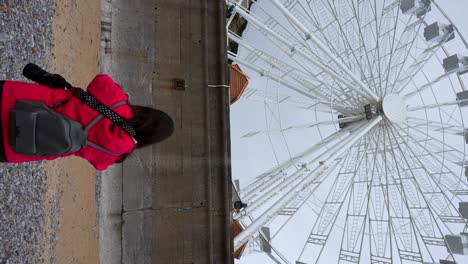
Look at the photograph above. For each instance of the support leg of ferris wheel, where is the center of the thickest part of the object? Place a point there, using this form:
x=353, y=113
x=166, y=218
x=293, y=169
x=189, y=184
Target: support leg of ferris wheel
x=309, y=36
x=262, y=180
x=363, y=92
x=274, y=186
x=324, y=166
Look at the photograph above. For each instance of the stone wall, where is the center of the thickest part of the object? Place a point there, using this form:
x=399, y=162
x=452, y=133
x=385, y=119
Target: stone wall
x=170, y=203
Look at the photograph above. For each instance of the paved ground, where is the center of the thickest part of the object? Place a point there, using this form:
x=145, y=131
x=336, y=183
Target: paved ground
x=75, y=55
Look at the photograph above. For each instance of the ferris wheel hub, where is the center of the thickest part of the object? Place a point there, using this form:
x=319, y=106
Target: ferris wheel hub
x=394, y=108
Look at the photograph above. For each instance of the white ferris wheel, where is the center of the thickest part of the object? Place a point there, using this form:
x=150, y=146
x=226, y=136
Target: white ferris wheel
x=353, y=131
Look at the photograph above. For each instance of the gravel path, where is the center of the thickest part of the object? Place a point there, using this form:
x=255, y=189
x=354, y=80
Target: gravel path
x=25, y=36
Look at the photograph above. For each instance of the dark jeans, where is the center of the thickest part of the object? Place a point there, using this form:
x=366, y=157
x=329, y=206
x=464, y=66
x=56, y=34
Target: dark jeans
x=2, y=149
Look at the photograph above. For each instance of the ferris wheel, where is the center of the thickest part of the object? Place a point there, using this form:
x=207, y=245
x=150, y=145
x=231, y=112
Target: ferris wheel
x=361, y=106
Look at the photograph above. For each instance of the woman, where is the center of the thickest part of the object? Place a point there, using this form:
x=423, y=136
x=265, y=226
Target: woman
x=151, y=125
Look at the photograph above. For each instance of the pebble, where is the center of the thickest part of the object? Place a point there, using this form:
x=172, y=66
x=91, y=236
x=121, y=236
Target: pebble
x=24, y=26
x=4, y=36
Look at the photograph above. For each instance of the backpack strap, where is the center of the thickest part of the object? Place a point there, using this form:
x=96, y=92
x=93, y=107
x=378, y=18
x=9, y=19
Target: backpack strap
x=91, y=144
x=107, y=112
x=100, y=116
x=94, y=122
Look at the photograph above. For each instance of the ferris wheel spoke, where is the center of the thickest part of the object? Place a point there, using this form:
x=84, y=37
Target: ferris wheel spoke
x=309, y=36
x=442, y=151
x=290, y=210
x=335, y=200
x=299, y=87
x=329, y=163
x=278, y=172
x=427, y=172
x=437, y=180
x=305, y=126
x=437, y=105
x=312, y=179
x=436, y=126
x=347, y=49
x=447, y=114
x=417, y=64
x=353, y=234
x=319, y=89
x=430, y=83
x=357, y=214
x=383, y=31
x=420, y=60
x=438, y=146
x=326, y=143
x=365, y=25
x=403, y=229
x=299, y=49
x=403, y=222
x=420, y=208
x=401, y=46
x=439, y=204
x=274, y=187
x=425, y=86
x=448, y=180
x=302, y=103
x=388, y=35
x=378, y=221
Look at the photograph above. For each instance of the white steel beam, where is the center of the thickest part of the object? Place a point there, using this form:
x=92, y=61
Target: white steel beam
x=274, y=187
x=308, y=35
x=287, y=83
x=249, y=191
x=277, y=63
x=270, y=183
x=306, y=56
x=430, y=106
x=307, y=125
x=429, y=84
x=262, y=95
x=324, y=166
x=299, y=88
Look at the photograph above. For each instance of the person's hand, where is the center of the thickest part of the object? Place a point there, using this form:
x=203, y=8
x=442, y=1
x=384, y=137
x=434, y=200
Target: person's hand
x=37, y=74
x=56, y=81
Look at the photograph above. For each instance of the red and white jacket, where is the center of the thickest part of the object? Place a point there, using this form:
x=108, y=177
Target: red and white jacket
x=103, y=88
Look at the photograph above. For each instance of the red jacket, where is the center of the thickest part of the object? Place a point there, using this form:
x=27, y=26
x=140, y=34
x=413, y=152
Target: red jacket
x=102, y=88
